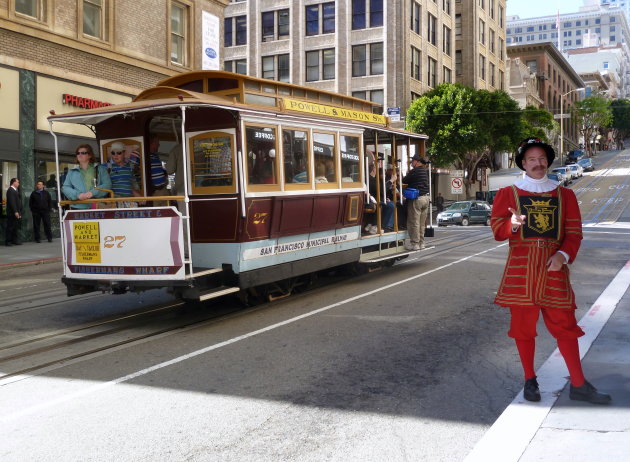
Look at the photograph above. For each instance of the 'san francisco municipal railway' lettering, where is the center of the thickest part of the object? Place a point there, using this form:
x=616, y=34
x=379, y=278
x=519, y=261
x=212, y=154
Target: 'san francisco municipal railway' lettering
x=297, y=245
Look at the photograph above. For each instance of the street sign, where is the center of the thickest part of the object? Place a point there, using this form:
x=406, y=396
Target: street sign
x=457, y=185
x=394, y=113
x=564, y=116
x=457, y=173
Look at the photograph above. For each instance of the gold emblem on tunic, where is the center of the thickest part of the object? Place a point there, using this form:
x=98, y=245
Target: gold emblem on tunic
x=540, y=215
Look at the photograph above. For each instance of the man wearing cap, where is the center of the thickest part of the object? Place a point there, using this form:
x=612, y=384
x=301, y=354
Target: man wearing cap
x=417, y=209
x=121, y=172
x=542, y=222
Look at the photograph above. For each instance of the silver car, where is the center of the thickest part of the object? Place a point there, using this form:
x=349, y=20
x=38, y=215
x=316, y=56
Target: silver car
x=576, y=170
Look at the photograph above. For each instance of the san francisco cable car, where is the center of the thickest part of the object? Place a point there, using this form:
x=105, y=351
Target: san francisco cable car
x=268, y=183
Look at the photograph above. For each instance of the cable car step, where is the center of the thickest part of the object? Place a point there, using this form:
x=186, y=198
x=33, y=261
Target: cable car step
x=217, y=292
x=390, y=256
x=204, y=272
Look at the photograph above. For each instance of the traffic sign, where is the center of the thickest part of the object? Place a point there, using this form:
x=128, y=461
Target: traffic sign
x=457, y=173
x=564, y=116
x=457, y=185
x=394, y=113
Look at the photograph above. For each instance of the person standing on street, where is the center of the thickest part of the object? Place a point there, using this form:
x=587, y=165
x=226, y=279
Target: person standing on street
x=439, y=202
x=417, y=209
x=542, y=222
x=14, y=212
x=40, y=204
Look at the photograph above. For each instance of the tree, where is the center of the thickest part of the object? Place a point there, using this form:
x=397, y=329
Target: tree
x=592, y=113
x=539, y=123
x=621, y=119
x=448, y=115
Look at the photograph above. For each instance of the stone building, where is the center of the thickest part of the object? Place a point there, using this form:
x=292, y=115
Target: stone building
x=65, y=55
x=386, y=52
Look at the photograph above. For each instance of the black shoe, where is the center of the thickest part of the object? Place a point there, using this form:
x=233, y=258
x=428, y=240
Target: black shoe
x=38, y=241
x=17, y=243
x=8, y=244
x=589, y=393
x=50, y=239
x=531, y=391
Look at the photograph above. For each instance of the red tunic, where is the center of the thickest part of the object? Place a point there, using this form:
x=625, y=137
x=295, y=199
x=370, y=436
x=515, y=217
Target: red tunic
x=553, y=223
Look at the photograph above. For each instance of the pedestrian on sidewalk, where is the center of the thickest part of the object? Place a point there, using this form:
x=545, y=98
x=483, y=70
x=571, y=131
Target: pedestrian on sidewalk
x=40, y=204
x=542, y=222
x=14, y=213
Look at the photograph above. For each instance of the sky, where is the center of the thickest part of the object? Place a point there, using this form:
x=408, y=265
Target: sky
x=535, y=8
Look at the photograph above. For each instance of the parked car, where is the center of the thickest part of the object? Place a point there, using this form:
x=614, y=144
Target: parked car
x=566, y=173
x=576, y=170
x=586, y=164
x=464, y=213
x=556, y=177
x=574, y=156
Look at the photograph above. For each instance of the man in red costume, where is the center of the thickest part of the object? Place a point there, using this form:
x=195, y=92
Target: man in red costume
x=543, y=224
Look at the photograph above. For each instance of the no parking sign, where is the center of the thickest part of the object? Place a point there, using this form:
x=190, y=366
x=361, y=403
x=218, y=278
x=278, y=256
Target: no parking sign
x=457, y=185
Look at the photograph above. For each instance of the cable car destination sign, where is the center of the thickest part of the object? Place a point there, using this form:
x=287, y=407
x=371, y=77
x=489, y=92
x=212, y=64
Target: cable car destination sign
x=332, y=111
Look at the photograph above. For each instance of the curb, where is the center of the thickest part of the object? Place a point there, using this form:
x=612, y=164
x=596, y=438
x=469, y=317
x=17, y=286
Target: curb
x=41, y=261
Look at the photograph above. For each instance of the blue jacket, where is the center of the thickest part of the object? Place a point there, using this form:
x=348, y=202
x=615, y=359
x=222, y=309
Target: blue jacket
x=73, y=185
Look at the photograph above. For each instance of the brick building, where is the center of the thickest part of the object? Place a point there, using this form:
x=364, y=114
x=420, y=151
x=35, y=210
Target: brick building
x=557, y=82
x=63, y=55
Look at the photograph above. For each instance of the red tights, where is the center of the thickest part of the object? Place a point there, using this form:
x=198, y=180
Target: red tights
x=568, y=348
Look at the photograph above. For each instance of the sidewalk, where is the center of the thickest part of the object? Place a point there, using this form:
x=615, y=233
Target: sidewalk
x=30, y=253
x=558, y=428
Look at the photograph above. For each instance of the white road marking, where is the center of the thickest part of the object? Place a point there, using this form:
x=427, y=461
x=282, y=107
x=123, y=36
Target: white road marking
x=126, y=378
x=517, y=425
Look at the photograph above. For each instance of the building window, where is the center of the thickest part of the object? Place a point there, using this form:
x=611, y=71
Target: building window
x=432, y=72
x=415, y=17
x=482, y=4
x=376, y=58
x=578, y=23
x=492, y=80
x=491, y=39
x=33, y=8
x=179, y=26
x=276, y=68
x=359, y=59
x=446, y=6
x=327, y=20
x=458, y=62
x=377, y=96
x=612, y=38
x=446, y=41
x=93, y=18
x=612, y=19
x=492, y=8
x=532, y=65
x=482, y=67
x=501, y=81
x=238, y=24
x=325, y=71
x=414, y=96
x=431, y=29
x=501, y=48
x=239, y=66
x=269, y=21
x=598, y=21
x=415, y=63
x=501, y=16
x=359, y=12
x=447, y=75
x=482, y=32
x=612, y=29
x=376, y=13
x=605, y=65
x=458, y=25
x=567, y=24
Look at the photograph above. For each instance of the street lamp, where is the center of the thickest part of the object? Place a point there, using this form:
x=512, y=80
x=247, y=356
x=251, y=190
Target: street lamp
x=562, y=122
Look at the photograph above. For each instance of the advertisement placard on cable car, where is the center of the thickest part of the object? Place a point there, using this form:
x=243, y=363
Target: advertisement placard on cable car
x=125, y=243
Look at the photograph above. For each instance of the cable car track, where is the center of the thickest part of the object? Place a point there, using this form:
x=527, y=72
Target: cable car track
x=52, y=350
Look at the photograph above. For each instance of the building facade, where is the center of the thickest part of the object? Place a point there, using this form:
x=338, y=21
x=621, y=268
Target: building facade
x=601, y=26
x=67, y=55
x=386, y=52
x=558, y=83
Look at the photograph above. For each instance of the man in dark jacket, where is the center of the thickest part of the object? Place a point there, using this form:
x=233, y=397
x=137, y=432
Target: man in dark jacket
x=14, y=212
x=417, y=209
x=40, y=204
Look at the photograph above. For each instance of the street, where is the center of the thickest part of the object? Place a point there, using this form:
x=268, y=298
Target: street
x=408, y=363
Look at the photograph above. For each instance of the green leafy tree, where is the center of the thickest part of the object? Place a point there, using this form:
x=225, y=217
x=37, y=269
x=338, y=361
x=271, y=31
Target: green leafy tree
x=621, y=119
x=592, y=113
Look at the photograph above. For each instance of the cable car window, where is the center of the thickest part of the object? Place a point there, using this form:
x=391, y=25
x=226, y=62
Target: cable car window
x=212, y=162
x=261, y=155
x=295, y=154
x=324, y=157
x=350, y=160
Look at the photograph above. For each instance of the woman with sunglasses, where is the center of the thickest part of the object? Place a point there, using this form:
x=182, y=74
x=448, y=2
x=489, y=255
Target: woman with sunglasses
x=82, y=182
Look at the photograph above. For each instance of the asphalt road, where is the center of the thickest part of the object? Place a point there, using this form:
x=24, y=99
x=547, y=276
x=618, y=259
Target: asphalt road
x=408, y=363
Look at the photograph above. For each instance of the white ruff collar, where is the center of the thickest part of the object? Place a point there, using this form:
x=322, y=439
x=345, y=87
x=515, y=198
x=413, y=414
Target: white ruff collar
x=529, y=184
